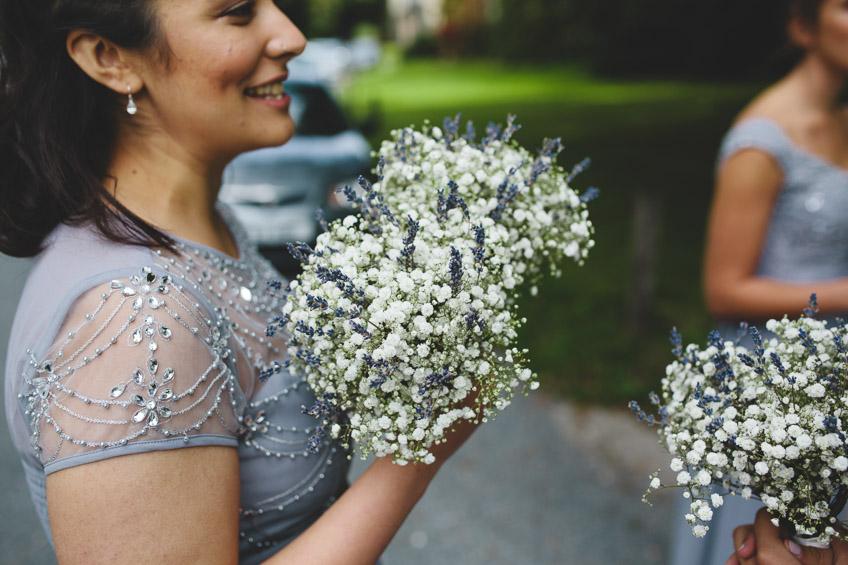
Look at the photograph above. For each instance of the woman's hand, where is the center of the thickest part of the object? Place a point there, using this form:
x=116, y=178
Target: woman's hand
x=760, y=543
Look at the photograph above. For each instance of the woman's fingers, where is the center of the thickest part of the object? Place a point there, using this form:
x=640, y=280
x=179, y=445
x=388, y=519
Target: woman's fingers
x=840, y=552
x=744, y=542
x=761, y=543
x=837, y=554
x=811, y=555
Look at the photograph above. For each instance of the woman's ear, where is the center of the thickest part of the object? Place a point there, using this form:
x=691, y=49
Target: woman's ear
x=800, y=32
x=103, y=61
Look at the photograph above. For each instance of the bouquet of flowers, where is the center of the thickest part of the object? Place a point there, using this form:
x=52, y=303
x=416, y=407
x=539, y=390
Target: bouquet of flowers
x=764, y=423
x=403, y=320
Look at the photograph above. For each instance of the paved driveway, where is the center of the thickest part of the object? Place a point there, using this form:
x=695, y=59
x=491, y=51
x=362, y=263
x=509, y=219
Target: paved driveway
x=546, y=483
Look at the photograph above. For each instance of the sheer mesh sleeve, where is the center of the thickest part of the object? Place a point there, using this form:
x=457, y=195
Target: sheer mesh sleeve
x=137, y=366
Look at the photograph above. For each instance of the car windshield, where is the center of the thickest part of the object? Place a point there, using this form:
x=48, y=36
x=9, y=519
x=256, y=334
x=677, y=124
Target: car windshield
x=314, y=111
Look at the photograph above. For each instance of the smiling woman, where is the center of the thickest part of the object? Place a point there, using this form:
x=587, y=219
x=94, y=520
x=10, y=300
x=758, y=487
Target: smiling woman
x=131, y=380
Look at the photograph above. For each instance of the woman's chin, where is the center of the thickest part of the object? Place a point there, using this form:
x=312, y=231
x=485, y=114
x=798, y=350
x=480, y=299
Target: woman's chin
x=271, y=138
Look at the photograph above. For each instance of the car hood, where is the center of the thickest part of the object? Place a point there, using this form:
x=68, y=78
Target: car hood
x=302, y=169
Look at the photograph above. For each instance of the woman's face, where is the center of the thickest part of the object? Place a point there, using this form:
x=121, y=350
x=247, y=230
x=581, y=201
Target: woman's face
x=829, y=38
x=220, y=92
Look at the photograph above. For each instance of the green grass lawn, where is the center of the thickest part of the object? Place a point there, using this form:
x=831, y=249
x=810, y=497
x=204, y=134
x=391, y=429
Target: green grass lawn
x=648, y=140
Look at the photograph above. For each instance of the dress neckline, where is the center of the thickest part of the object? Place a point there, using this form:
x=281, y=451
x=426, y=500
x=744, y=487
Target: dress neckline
x=792, y=144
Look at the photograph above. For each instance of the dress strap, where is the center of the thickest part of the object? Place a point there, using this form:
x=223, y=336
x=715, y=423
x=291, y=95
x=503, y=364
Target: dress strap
x=757, y=133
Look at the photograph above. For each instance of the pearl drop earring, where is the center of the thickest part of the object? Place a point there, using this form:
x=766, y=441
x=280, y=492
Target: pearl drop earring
x=131, y=107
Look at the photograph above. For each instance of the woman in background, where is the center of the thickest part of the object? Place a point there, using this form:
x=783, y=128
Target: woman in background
x=132, y=379
x=778, y=229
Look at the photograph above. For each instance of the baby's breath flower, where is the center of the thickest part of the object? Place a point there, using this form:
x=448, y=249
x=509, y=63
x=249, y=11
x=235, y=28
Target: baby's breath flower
x=763, y=422
x=406, y=308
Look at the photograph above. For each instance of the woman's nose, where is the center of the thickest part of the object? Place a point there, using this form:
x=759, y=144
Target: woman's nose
x=286, y=39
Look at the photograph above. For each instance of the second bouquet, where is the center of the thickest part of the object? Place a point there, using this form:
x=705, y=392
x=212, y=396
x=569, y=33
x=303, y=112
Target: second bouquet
x=404, y=320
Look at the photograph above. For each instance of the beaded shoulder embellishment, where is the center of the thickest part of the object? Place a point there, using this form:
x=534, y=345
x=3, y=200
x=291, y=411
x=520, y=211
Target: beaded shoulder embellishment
x=146, y=399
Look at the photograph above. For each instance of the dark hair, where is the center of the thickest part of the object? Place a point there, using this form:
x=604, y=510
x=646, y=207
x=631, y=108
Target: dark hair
x=57, y=125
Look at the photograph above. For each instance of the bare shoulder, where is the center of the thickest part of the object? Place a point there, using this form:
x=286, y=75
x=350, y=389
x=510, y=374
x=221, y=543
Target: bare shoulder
x=774, y=105
x=808, y=127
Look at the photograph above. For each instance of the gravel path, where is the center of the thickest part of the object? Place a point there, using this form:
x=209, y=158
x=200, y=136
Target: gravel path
x=546, y=483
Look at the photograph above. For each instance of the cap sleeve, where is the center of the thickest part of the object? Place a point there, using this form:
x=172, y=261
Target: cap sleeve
x=757, y=133
x=137, y=366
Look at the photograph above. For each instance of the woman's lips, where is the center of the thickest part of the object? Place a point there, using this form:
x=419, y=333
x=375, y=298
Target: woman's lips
x=272, y=94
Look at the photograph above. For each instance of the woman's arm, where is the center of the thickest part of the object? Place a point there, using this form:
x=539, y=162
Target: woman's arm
x=746, y=189
x=178, y=506
x=181, y=506
x=359, y=526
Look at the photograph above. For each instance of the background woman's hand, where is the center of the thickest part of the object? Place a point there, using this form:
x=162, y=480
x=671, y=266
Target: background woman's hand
x=760, y=543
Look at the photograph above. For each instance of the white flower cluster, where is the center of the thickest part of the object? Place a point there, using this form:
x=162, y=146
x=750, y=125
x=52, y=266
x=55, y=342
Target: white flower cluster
x=403, y=320
x=764, y=423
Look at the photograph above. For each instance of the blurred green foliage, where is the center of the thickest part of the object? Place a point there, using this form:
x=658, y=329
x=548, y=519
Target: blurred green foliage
x=647, y=139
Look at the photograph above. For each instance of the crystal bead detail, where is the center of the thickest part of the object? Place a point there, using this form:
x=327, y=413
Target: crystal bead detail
x=118, y=391
x=168, y=375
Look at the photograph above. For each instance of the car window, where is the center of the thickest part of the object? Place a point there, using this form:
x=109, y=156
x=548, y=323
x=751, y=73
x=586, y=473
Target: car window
x=314, y=111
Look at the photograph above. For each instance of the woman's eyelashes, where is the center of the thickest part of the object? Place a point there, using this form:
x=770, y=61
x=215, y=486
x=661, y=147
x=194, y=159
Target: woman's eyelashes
x=243, y=12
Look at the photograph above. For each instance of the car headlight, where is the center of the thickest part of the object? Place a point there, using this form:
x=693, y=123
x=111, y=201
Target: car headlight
x=336, y=199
